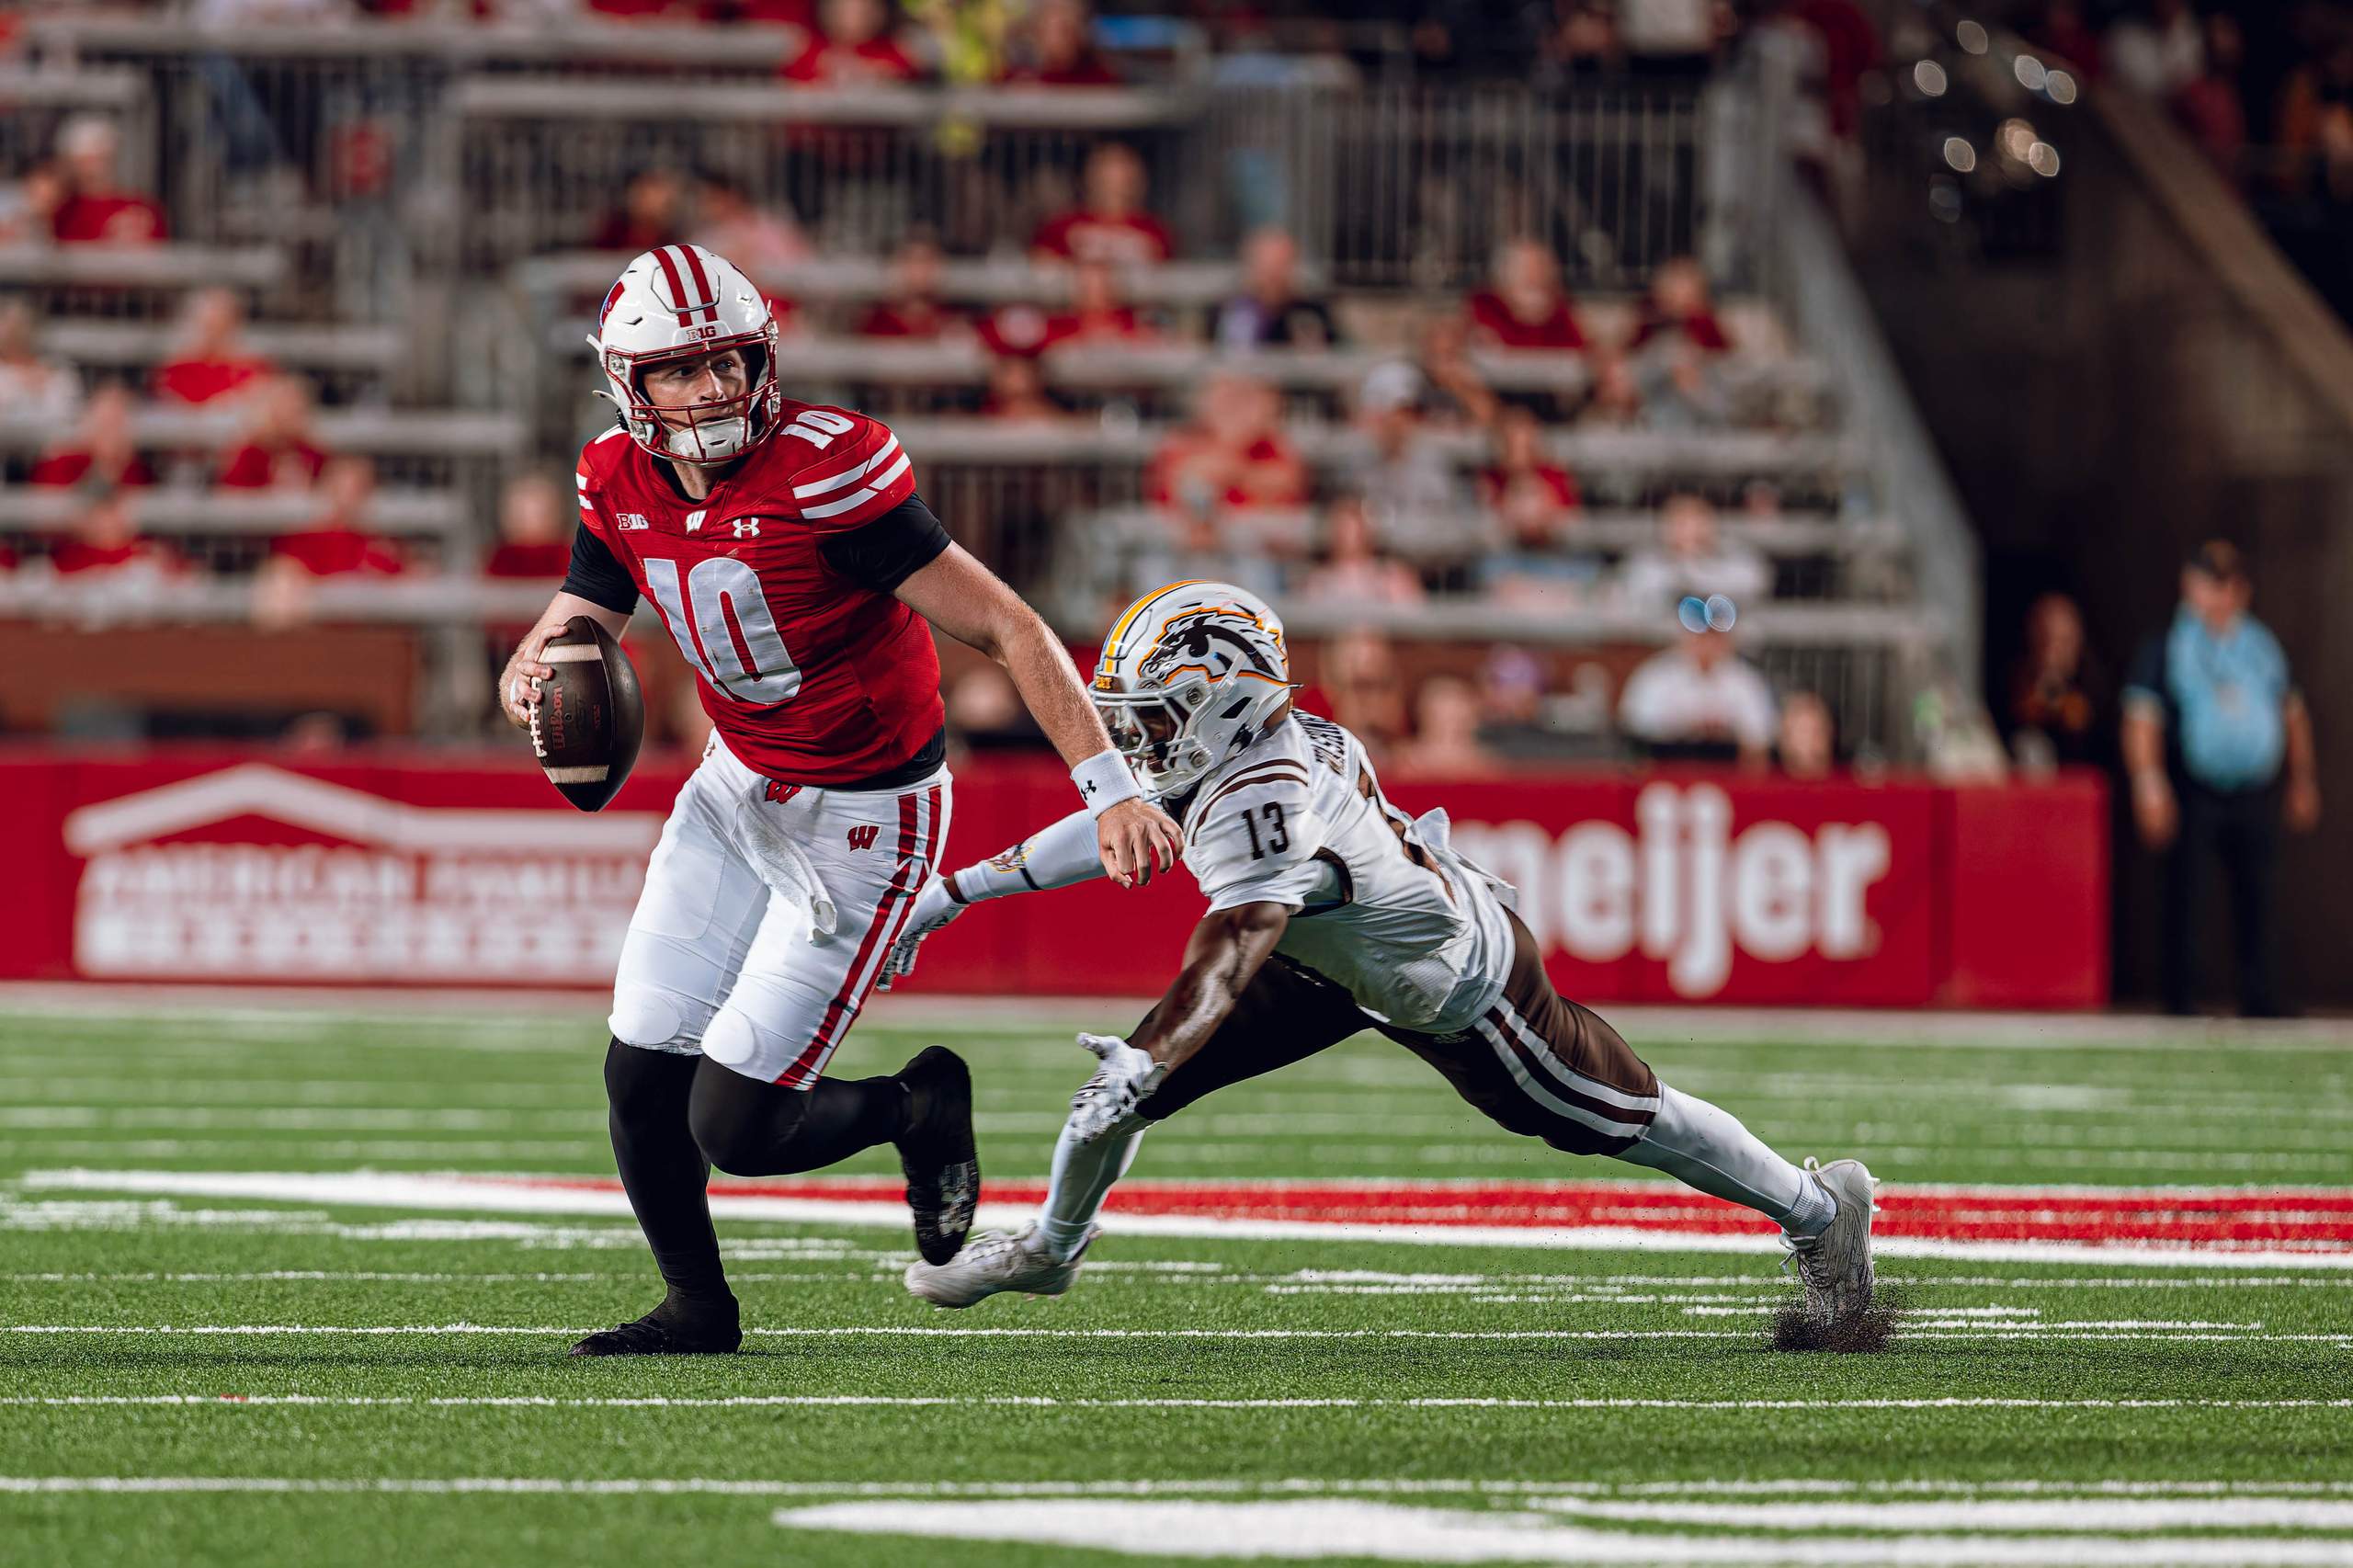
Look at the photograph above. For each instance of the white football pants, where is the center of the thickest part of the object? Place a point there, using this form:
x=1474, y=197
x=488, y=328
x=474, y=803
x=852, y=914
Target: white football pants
x=767, y=911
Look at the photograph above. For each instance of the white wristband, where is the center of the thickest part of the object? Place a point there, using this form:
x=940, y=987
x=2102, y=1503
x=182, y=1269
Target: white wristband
x=1104, y=781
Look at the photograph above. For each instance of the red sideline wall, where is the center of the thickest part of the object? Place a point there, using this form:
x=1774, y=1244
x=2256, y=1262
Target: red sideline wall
x=406, y=869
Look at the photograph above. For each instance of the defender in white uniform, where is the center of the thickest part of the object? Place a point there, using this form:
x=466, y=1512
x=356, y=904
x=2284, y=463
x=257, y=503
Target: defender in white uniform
x=1332, y=912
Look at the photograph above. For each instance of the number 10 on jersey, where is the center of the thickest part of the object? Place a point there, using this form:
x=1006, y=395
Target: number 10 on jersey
x=721, y=623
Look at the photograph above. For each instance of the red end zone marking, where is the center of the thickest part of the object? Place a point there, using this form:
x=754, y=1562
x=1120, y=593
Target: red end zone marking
x=2306, y=1219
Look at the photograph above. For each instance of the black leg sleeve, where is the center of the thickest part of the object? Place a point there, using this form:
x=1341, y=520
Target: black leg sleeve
x=662, y=1170
x=750, y=1128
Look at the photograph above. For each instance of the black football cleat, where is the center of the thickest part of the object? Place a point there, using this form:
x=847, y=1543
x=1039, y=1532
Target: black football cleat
x=938, y=1153
x=669, y=1331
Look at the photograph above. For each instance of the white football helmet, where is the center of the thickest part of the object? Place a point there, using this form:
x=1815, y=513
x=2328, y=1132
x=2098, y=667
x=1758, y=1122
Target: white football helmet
x=675, y=303
x=1190, y=675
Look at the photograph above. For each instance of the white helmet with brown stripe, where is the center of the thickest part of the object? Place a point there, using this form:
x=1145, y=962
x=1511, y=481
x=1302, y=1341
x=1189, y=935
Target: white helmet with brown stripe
x=683, y=301
x=1190, y=675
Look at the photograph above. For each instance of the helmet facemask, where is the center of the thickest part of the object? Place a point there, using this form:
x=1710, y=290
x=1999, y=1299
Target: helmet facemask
x=1152, y=731
x=714, y=431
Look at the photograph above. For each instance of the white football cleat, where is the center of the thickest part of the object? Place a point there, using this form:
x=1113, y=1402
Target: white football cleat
x=993, y=1262
x=1835, y=1266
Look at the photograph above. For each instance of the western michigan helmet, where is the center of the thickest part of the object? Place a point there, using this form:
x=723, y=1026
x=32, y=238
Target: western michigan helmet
x=1190, y=673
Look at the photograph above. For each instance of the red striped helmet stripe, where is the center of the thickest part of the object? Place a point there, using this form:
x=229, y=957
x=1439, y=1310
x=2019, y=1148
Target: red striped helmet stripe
x=677, y=288
x=703, y=290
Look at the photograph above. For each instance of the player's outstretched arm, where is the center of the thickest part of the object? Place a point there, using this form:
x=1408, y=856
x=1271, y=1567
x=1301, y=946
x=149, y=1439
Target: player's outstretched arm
x=966, y=600
x=517, y=694
x=1061, y=856
x=1222, y=957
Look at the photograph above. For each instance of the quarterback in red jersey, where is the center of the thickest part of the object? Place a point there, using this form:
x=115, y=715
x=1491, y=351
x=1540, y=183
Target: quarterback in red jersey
x=785, y=550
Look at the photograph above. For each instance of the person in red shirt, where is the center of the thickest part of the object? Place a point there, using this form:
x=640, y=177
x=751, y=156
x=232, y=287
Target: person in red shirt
x=1679, y=304
x=1110, y=224
x=96, y=209
x=1522, y=477
x=1017, y=390
x=1097, y=314
x=103, y=450
x=338, y=543
x=912, y=308
x=1059, y=50
x=853, y=45
x=210, y=362
x=653, y=212
x=1525, y=307
x=279, y=451
x=533, y=540
x=105, y=538
x=1234, y=454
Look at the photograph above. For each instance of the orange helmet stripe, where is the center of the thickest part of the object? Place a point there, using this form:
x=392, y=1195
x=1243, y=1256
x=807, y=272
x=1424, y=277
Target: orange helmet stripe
x=1119, y=628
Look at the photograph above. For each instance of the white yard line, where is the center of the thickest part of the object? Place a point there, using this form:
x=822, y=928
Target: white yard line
x=1329, y=1527
x=2039, y=1333
x=1028, y=1402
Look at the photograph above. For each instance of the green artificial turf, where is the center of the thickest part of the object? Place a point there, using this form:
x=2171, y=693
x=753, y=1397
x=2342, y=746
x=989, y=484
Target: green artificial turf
x=2253, y=1366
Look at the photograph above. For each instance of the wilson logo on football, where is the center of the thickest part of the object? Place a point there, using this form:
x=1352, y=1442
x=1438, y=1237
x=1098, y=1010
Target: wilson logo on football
x=863, y=838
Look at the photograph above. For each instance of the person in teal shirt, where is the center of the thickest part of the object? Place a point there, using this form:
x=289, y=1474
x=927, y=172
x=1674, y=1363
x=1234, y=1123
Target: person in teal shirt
x=2218, y=748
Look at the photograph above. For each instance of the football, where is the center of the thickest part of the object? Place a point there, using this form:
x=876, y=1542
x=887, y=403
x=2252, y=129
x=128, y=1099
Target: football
x=590, y=717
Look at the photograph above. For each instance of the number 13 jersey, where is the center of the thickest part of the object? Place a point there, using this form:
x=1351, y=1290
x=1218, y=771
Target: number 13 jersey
x=1383, y=905
x=813, y=674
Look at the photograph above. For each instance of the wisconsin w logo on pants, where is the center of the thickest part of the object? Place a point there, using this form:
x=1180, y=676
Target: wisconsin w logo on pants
x=863, y=838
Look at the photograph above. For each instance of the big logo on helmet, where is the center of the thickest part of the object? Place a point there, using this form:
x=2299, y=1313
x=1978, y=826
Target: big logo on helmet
x=1216, y=640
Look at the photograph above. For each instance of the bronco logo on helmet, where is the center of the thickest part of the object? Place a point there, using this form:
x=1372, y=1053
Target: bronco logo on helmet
x=1190, y=675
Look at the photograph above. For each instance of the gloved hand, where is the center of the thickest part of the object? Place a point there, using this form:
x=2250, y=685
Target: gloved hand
x=934, y=908
x=1126, y=1077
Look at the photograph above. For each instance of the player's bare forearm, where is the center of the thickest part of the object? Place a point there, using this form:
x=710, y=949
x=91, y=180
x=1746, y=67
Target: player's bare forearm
x=972, y=604
x=1221, y=959
x=515, y=693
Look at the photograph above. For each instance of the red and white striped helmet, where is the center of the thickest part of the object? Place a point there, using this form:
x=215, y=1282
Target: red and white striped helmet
x=679, y=302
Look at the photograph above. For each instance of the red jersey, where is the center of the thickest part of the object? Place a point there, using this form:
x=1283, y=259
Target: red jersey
x=1557, y=330
x=1132, y=238
x=811, y=677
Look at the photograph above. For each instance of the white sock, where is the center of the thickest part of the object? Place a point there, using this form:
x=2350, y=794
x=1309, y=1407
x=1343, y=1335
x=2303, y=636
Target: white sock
x=1703, y=1146
x=1083, y=1176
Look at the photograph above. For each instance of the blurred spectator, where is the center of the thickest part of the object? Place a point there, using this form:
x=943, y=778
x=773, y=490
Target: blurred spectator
x=763, y=245
x=1616, y=398
x=1581, y=43
x=985, y=712
x=1453, y=391
x=102, y=450
x=1270, y=310
x=1699, y=698
x=1232, y=454
x=1671, y=38
x=2062, y=31
x=208, y=360
x=1361, y=683
x=1446, y=742
x=1844, y=46
x=802, y=14
x=1679, y=306
x=28, y=208
x=30, y=386
x=914, y=308
x=105, y=540
x=279, y=451
x=2218, y=744
x=1110, y=224
x=1681, y=390
x=2210, y=108
x=2054, y=713
x=2314, y=126
x=1353, y=570
x=1017, y=390
x=653, y=212
x=339, y=542
x=1056, y=49
x=1808, y=747
x=1525, y=307
x=1097, y=314
x=1693, y=558
x=853, y=45
x=2157, y=49
x=94, y=208
x=1416, y=502
x=1522, y=477
x=1512, y=683
x=534, y=535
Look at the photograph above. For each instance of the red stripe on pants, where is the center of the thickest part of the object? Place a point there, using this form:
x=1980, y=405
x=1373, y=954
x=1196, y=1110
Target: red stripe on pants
x=896, y=899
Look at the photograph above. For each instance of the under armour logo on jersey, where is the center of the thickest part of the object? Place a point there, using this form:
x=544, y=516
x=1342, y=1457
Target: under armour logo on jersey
x=694, y=521
x=863, y=838
x=745, y=526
